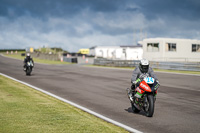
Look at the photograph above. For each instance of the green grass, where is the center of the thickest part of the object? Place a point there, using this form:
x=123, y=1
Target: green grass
x=25, y=110
x=156, y=70
x=18, y=56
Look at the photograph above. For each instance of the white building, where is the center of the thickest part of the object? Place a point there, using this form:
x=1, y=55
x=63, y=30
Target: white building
x=118, y=52
x=169, y=49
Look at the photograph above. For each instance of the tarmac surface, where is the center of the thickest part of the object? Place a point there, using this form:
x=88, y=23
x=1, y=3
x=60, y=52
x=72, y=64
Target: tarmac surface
x=103, y=90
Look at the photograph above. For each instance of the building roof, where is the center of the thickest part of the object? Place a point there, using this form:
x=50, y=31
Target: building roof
x=132, y=46
x=104, y=47
x=122, y=46
x=173, y=39
x=167, y=40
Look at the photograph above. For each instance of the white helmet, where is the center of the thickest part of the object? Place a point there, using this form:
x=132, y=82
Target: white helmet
x=144, y=65
x=28, y=54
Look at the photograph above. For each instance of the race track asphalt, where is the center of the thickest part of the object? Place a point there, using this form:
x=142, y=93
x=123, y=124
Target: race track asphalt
x=103, y=90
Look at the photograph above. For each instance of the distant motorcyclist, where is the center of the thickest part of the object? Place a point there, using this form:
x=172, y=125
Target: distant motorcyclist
x=27, y=59
x=140, y=72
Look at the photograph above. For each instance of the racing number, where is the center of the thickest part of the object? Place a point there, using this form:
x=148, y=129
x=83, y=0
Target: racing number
x=149, y=79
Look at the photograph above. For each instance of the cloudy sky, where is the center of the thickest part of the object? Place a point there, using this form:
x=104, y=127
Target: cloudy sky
x=75, y=24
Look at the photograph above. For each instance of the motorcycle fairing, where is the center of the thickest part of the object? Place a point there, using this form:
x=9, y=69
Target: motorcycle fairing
x=145, y=86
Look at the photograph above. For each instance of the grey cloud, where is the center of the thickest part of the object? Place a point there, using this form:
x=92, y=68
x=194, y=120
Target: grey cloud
x=172, y=8
x=66, y=8
x=74, y=24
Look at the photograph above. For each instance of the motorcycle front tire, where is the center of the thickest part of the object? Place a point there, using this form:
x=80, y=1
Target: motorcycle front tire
x=28, y=71
x=150, y=111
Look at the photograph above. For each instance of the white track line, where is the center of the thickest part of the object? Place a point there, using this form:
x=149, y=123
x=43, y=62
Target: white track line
x=78, y=106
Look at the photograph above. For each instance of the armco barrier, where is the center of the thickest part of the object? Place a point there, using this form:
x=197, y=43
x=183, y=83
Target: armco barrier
x=116, y=63
x=154, y=64
x=176, y=66
x=71, y=60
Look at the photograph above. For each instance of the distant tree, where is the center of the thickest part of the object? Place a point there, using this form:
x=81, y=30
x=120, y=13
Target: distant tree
x=59, y=49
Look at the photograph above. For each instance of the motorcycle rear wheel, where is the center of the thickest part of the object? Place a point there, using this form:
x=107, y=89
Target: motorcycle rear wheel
x=149, y=109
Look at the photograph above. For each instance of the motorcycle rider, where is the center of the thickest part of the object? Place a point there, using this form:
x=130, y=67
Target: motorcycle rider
x=140, y=72
x=27, y=59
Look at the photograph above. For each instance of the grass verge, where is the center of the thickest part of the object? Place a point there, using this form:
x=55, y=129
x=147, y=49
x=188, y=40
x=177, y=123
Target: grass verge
x=156, y=70
x=24, y=109
x=18, y=56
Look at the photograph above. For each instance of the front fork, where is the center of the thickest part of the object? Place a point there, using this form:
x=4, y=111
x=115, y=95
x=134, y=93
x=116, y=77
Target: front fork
x=145, y=102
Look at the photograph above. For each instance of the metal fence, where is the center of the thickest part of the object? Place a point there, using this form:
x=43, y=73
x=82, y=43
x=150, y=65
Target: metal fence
x=116, y=63
x=154, y=64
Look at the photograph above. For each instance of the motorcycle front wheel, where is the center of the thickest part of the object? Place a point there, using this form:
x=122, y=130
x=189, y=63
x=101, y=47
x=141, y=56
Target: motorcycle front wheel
x=149, y=109
x=28, y=71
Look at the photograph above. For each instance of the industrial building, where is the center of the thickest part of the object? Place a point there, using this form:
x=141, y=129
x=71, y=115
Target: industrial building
x=170, y=49
x=118, y=52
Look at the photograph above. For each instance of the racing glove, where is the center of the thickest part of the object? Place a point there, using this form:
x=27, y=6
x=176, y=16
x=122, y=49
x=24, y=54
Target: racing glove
x=157, y=85
x=137, y=82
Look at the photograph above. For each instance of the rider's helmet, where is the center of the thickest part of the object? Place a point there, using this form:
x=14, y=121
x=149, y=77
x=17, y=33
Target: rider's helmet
x=144, y=65
x=28, y=55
